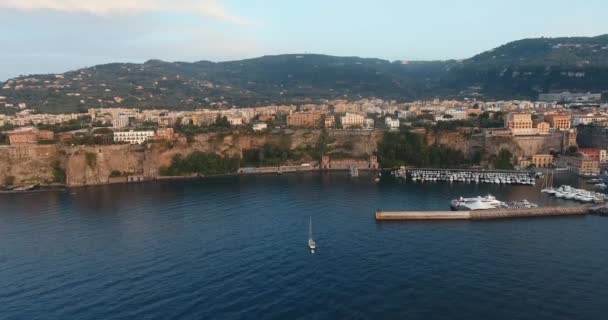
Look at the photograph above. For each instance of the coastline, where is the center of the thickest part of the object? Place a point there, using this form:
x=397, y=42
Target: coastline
x=55, y=187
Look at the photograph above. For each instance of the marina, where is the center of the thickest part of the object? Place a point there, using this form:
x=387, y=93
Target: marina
x=570, y=193
x=467, y=176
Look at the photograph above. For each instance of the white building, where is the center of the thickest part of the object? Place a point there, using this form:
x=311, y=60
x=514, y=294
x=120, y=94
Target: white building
x=369, y=124
x=235, y=121
x=260, y=126
x=392, y=124
x=133, y=137
x=603, y=156
x=352, y=120
x=120, y=121
x=587, y=119
x=452, y=115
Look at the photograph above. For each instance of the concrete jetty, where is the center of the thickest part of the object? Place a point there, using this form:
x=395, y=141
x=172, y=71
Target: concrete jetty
x=482, y=214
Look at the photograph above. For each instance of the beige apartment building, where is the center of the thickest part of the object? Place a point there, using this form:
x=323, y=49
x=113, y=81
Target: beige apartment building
x=305, y=119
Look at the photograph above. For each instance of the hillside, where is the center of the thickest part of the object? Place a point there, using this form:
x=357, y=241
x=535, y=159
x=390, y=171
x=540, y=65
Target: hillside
x=520, y=69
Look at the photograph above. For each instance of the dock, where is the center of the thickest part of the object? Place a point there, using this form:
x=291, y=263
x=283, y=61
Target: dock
x=482, y=214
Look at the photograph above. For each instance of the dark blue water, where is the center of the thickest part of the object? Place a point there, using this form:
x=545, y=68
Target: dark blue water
x=235, y=248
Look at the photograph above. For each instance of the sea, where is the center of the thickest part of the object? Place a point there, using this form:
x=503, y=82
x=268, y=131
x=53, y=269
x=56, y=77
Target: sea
x=236, y=248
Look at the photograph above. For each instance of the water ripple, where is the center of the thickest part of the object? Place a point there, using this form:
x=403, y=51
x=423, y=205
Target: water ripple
x=235, y=247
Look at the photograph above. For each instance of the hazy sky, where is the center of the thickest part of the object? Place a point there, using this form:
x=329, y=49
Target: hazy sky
x=42, y=36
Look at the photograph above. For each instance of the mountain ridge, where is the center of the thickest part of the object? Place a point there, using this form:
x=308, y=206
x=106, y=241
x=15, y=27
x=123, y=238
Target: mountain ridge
x=517, y=70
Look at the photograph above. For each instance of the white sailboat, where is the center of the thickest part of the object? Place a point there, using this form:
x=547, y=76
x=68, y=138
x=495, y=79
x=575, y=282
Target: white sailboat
x=311, y=243
x=548, y=184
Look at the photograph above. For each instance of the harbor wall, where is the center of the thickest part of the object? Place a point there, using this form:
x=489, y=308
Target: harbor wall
x=482, y=214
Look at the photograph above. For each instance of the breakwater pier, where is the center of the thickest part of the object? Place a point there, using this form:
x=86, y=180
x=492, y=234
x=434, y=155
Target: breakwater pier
x=482, y=214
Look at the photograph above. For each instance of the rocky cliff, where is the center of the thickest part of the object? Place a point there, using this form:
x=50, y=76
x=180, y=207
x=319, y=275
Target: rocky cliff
x=90, y=165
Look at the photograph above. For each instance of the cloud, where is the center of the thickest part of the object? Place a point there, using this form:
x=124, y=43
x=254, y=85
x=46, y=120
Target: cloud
x=208, y=8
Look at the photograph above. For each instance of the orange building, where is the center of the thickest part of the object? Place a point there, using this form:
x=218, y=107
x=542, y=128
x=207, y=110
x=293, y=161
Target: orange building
x=543, y=128
x=46, y=135
x=64, y=136
x=22, y=137
x=588, y=167
x=29, y=135
x=591, y=153
x=266, y=117
x=165, y=134
x=305, y=119
x=559, y=121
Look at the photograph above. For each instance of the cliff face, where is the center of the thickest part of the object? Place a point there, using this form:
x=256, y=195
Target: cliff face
x=28, y=164
x=464, y=140
x=95, y=164
x=520, y=146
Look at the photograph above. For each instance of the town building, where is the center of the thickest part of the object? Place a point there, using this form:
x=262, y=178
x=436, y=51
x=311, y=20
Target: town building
x=133, y=137
x=603, y=156
x=543, y=128
x=267, y=117
x=542, y=160
x=570, y=97
x=28, y=135
x=328, y=163
x=524, y=162
x=588, y=167
x=352, y=120
x=235, y=121
x=305, y=119
x=165, y=134
x=64, y=136
x=559, y=121
x=330, y=121
x=369, y=124
x=587, y=119
x=121, y=121
x=259, y=126
x=392, y=124
x=23, y=136
x=520, y=124
x=591, y=153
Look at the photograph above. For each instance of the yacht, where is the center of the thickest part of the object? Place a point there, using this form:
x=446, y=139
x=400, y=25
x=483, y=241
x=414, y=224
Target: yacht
x=478, y=203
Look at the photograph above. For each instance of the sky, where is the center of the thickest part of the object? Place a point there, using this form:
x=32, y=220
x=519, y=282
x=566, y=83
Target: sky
x=52, y=36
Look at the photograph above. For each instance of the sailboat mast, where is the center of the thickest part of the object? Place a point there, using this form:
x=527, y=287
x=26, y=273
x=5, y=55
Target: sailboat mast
x=310, y=229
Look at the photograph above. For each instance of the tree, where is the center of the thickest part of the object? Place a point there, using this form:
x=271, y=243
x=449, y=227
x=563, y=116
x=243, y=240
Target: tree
x=102, y=131
x=9, y=180
x=572, y=150
x=503, y=160
x=58, y=173
x=222, y=122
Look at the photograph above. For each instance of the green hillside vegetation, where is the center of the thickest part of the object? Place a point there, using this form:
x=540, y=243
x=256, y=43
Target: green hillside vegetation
x=410, y=149
x=521, y=69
